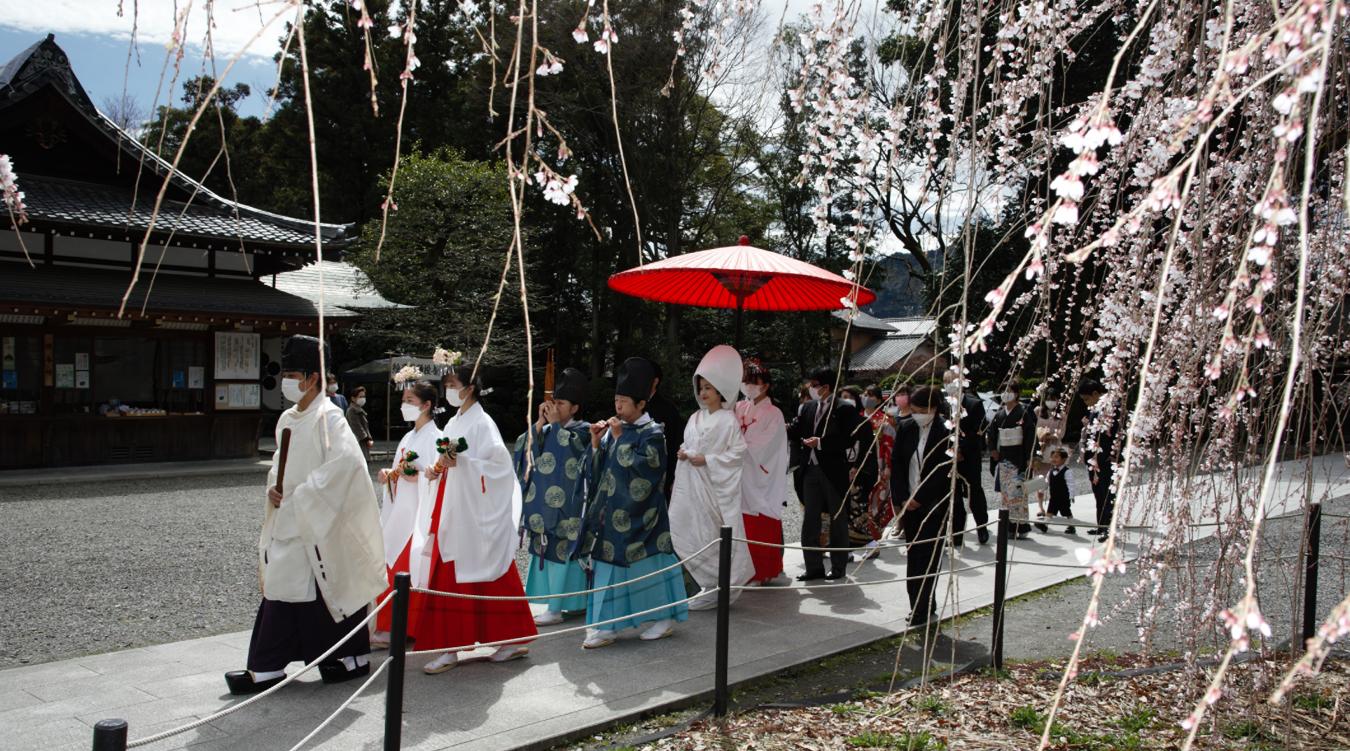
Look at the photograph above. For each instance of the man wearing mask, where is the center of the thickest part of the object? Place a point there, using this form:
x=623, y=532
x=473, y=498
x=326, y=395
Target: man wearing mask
x=360, y=421
x=971, y=486
x=1100, y=469
x=333, y=395
x=825, y=434
x=921, y=484
x=321, y=551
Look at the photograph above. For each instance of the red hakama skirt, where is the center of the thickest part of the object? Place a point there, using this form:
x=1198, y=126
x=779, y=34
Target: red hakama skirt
x=385, y=619
x=440, y=622
x=768, y=561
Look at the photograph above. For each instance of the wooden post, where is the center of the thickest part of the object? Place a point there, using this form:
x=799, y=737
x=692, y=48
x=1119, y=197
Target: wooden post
x=720, y=693
x=1000, y=588
x=1310, y=560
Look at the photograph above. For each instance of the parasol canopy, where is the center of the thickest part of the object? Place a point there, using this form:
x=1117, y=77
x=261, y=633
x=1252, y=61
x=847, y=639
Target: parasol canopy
x=739, y=277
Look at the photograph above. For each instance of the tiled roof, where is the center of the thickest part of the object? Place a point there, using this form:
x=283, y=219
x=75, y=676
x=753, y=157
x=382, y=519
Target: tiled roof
x=864, y=321
x=102, y=289
x=884, y=353
x=112, y=206
x=45, y=65
x=345, y=288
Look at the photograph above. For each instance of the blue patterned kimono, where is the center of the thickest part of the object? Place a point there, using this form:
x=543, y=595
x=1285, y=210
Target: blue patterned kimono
x=555, y=497
x=628, y=530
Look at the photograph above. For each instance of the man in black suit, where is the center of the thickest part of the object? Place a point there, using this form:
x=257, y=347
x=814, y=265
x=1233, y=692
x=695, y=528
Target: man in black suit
x=664, y=411
x=921, y=487
x=971, y=486
x=1101, y=471
x=826, y=435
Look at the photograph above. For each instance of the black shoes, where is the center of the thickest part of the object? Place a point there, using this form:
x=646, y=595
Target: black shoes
x=835, y=575
x=241, y=682
x=1071, y=531
x=958, y=540
x=336, y=672
x=918, y=621
x=810, y=577
x=983, y=535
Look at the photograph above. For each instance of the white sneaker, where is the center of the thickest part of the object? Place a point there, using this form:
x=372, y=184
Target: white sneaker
x=661, y=629
x=782, y=580
x=550, y=618
x=597, y=638
x=447, y=661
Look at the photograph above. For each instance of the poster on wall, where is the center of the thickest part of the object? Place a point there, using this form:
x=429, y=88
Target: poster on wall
x=81, y=360
x=179, y=379
x=65, y=375
x=81, y=379
x=196, y=376
x=237, y=356
x=238, y=396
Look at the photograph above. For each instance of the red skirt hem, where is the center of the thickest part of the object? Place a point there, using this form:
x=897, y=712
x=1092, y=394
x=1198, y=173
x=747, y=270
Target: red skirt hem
x=441, y=622
x=384, y=620
x=768, y=561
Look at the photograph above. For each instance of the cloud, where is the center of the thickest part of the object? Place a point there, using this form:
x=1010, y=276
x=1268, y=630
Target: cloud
x=235, y=22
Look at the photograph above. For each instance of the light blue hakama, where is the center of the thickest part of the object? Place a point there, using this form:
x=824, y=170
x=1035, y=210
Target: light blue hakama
x=556, y=578
x=645, y=595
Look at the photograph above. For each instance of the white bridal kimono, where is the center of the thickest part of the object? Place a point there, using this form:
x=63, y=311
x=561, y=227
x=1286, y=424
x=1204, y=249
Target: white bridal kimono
x=705, y=498
x=327, y=531
x=406, y=514
x=480, y=513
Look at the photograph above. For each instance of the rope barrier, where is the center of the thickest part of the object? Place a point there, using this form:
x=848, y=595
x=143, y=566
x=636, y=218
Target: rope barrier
x=559, y=632
x=1011, y=562
x=328, y=720
x=531, y=598
x=365, y=622
x=747, y=587
x=860, y=548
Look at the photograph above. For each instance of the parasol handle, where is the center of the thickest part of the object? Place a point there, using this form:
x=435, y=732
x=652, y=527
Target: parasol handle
x=282, y=451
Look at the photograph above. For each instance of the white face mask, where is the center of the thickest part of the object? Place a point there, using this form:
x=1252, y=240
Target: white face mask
x=454, y=397
x=290, y=388
x=751, y=390
x=892, y=410
x=814, y=391
x=332, y=388
x=869, y=403
x=360, y=401
x=1051, y=403
x=1009, y=397
x=952, y=388
x=921, y=419
x=848, y=403
x=410, y=412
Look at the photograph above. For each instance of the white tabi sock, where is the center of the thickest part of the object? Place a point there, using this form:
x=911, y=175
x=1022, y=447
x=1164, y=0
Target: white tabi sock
x=267, y=675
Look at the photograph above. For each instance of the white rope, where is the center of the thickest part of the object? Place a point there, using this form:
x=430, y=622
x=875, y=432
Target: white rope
x=531, y=598
x=573, y=629
x=860, y=548
x=837, y=585
x=236, y=707
x=328, y=720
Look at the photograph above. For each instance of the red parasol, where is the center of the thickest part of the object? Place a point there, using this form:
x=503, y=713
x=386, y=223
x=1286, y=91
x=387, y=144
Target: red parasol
x=739, y=277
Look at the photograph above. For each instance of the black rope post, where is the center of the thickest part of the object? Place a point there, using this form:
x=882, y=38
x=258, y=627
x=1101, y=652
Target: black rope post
x=1314, y=550
x=398, y=648
x=110, y=735
x=1000, y=588
x=720, y=698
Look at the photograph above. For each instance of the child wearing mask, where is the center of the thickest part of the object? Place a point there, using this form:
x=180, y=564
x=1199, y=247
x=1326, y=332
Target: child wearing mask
x=407, y=496
x=472, y=545
x=707, y=491
x=764, y=476
x=627, y=520
x=554, y=484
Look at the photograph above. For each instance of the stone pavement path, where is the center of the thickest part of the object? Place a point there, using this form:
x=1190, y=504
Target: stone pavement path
x=559, y=691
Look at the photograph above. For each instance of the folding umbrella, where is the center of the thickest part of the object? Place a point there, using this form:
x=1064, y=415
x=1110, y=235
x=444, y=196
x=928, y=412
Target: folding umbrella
x=740, y=277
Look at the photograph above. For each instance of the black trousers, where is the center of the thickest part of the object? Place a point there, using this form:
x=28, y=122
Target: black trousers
x=1106, y=500
x=819, y=496
x=928, y=528
x=286, y=632
x=971, y=487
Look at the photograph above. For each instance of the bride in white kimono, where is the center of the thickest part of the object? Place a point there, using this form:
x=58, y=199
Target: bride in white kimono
x=707, y=490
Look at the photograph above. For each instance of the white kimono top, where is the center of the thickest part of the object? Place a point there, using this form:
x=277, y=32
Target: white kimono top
x=480, y=513
x=705, y=498
x=406, y=516
x=327, y=530
x=765, y=475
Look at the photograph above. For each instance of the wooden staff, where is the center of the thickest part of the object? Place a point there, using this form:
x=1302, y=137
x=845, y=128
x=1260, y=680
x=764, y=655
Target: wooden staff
x=281, y=463
x=549, y=366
